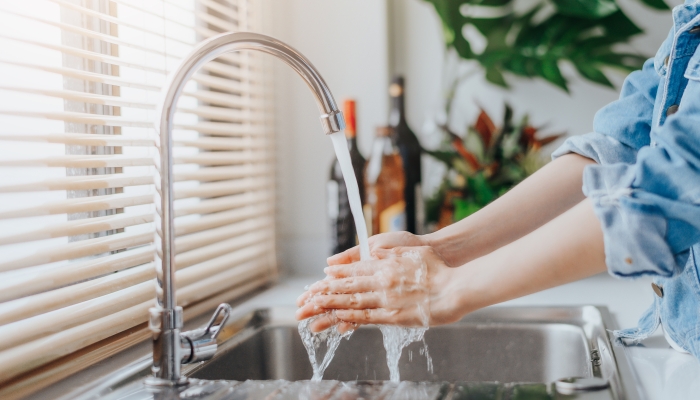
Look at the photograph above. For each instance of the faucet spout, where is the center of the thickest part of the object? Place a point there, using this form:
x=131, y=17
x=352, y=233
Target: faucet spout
x=171, y=348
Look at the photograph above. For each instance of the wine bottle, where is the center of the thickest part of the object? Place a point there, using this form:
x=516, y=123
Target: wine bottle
x=385, y=210
x=410, y=150
x=343, y=231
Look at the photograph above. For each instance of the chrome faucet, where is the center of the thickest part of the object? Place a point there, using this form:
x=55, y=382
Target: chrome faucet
x=171, y=348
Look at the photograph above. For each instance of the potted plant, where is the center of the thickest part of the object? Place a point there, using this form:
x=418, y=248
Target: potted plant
x=528, y=39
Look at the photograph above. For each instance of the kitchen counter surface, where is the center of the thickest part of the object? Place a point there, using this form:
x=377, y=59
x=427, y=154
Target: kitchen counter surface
x=662, y=373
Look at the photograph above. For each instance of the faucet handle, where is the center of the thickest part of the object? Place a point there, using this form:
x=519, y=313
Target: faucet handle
x=200, y=344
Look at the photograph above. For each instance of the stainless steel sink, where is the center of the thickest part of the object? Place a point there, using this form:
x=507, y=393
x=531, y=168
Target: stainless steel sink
x=544, y=345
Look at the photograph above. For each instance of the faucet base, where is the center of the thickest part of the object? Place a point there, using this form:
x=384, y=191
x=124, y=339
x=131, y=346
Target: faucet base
x=157, y=383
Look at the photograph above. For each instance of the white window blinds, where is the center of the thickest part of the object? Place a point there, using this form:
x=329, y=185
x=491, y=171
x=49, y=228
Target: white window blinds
x=78, y=84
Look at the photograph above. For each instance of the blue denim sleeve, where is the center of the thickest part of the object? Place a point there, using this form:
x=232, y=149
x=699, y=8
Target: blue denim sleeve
x=622, y=127
x=650, y=210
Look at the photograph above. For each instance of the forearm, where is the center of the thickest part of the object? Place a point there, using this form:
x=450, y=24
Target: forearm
x=546, y=194
x=567, y=249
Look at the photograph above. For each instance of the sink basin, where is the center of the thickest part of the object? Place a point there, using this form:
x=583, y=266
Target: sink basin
x=508, y=345
x=494, y=348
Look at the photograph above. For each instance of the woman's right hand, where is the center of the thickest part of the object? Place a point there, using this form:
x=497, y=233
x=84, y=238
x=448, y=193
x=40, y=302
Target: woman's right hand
x=382, y=241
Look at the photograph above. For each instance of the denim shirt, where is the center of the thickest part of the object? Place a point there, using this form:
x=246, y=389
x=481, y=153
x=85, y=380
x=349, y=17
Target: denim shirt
x=645, y=187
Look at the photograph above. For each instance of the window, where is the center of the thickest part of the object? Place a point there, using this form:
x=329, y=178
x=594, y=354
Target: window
x=79, y=80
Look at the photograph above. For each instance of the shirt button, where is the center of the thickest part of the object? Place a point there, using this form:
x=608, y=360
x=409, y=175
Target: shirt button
x=666, y=61
x=672, y=110
x=653, y=144
x=658, y=290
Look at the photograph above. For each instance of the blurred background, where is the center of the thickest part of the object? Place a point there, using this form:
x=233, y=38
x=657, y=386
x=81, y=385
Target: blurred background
x=359, y=45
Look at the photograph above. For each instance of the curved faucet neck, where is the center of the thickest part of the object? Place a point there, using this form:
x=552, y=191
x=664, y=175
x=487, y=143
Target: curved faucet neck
x=166, y=318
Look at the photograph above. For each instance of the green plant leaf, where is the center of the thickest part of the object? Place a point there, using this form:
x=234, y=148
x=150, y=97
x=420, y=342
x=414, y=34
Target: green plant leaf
x=495, y=76
x=586, y=8
x=479, y=186
x=658, y=4
x=592, y=73
x=577, y=31
x=549, y=70
x=463, y=209
x=447, y=157
x=618, y=26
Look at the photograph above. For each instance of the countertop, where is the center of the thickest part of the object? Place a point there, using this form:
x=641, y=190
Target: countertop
x=662, y=373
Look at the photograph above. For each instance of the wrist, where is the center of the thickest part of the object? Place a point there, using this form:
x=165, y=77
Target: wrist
x=471, y=288
x=455, y=243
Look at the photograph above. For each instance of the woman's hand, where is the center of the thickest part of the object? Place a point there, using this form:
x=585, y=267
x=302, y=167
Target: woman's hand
x=408, y=286
x=382, y=241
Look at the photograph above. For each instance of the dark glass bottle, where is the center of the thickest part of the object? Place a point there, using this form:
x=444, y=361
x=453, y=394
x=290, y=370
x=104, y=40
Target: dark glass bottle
x=343, y=231
x=410, y=150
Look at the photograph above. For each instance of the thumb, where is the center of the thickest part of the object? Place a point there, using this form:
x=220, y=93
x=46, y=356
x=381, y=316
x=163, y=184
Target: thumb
x=348, y=256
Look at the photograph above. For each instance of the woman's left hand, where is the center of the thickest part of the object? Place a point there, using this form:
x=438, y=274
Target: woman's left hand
x=408, y=286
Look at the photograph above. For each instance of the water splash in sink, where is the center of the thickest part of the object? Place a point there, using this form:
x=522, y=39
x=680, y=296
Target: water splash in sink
x=321, y=346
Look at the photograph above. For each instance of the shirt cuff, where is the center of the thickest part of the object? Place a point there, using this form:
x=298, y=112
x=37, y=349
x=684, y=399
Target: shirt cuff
x=634, y=231
x=601, y=148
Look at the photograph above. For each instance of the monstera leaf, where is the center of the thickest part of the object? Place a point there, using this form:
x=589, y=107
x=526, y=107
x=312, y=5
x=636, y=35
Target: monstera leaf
x=532, y=44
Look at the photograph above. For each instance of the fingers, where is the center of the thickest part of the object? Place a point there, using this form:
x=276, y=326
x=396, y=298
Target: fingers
x=354, y=301
x=323, y=322
x=348, y=256
x=346, y=326
x=351, y=270
x=304, y=298
x=308, y=310
x=357, y=284
x=366, y=316
x=327, y=321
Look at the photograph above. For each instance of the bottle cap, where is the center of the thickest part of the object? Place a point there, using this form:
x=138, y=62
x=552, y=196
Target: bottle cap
x=383, y=131
x=350, y=119
x=396, y=87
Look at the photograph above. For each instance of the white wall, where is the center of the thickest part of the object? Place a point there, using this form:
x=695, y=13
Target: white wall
x=347, y=42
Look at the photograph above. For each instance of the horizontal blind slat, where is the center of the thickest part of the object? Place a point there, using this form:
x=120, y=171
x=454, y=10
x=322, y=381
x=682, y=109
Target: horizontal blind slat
x=78, y=227
x=230, y=12
x=80, y=161
x=209, y=206
x=81, y=204
x=222, y=188
x=81, y=118
x=83, y=248
x=84, y=75
x=93, y=139
x=83, y=139
x=83, y=97
x=86, y=182
x=221, y=99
